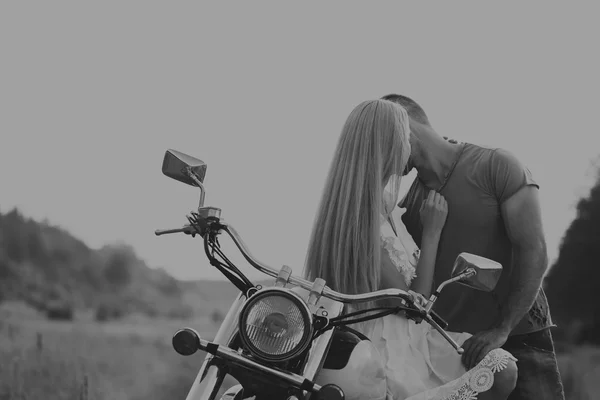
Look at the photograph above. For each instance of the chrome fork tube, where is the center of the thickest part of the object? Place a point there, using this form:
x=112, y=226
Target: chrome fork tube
x=317, y=354
x=210, y=377
x=320, y=347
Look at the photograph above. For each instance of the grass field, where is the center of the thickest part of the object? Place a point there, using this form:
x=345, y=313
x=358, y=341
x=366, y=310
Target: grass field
x=134, y=360
x=85, y=360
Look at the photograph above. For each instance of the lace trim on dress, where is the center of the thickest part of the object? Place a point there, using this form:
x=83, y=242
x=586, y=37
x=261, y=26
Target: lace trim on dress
x=400, y=259
x=481, y=378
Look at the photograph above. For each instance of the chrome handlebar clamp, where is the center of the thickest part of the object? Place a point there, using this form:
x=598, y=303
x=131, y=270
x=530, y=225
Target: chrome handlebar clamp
x=283, y=277
x=316, y=291
x=209, y=212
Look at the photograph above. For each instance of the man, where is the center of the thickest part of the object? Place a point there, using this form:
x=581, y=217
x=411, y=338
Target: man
x=494, y=212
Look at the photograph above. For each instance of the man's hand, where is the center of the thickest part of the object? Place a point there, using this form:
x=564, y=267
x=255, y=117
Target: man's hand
x=477, y=346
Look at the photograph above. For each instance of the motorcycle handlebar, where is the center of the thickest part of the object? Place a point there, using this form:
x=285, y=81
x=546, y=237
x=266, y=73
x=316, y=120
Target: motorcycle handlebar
x=438, y=320
x=431, y=316
x=327, y=292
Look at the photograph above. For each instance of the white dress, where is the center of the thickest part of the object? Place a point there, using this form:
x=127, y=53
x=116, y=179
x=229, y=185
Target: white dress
x=420, y=364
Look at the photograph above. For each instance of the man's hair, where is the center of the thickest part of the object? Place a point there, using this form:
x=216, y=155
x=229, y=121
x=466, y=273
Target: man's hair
x=414, y=110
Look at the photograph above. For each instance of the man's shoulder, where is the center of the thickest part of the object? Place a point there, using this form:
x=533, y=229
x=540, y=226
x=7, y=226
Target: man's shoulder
x=481, y=149
x=472, y=151
x=482, y=156
x=489, y=150
x=492, y=157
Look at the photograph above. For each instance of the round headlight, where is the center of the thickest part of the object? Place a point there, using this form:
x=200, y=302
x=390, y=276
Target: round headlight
x=275, y=325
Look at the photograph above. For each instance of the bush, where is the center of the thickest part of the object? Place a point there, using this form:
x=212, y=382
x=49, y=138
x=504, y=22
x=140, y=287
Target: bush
x=571, y=281
x=107, y=312
x=169, y=286
x=216, y=316
x=6, y=269
x=183, y=312
x=117, y=271
x=59, y=312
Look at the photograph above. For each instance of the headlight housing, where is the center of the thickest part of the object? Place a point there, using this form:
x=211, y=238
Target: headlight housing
x=275, y=325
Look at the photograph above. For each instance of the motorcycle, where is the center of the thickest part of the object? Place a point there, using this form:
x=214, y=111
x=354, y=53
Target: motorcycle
x=291, y=340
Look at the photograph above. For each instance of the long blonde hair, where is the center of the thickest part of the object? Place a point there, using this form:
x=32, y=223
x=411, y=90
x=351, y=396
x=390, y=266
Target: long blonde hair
x=372, y=151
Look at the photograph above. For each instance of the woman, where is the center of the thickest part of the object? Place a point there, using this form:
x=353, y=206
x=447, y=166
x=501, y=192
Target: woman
x=359, y=244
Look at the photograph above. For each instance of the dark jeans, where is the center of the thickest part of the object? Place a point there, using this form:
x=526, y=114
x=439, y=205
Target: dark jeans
x=538, y=370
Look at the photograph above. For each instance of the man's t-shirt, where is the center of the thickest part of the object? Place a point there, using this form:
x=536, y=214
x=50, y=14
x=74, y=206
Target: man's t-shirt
x=480, y=181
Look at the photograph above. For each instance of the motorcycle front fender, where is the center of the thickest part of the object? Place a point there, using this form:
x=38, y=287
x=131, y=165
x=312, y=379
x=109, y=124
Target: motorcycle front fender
x=235, y=392
x=208, y=387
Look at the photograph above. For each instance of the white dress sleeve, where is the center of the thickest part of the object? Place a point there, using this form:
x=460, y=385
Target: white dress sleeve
x=401, y=249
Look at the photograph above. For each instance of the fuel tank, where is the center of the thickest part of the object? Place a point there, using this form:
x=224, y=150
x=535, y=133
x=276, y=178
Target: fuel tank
x=354, y=364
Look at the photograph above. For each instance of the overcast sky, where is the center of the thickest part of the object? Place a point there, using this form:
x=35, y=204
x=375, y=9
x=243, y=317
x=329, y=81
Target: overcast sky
x=91, y=96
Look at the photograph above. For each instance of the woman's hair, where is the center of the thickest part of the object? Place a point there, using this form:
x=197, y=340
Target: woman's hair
x=371, y=153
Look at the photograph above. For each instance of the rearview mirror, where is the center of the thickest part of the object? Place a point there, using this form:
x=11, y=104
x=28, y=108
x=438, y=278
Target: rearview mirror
x=186, y=169
x=477, y=272
x=178, y=166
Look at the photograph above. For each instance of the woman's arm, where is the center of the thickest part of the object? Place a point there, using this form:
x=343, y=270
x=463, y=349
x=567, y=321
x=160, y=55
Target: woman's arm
x=391, y=278
x=426, y=266
x=433, y=213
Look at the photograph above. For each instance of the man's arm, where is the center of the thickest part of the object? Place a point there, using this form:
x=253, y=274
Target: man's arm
x=517, y=194
x=522, y=218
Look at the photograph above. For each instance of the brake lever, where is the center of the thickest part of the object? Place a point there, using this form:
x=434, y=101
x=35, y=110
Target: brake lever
x=414, y=314
x=415, y=309
x=421, y=307
x=442, y=332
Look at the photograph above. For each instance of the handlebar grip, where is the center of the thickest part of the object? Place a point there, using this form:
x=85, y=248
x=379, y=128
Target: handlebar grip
x=439, y=320
x=188, y=230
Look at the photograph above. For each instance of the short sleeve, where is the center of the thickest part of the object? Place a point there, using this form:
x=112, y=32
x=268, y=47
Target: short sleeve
x=508, y=175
